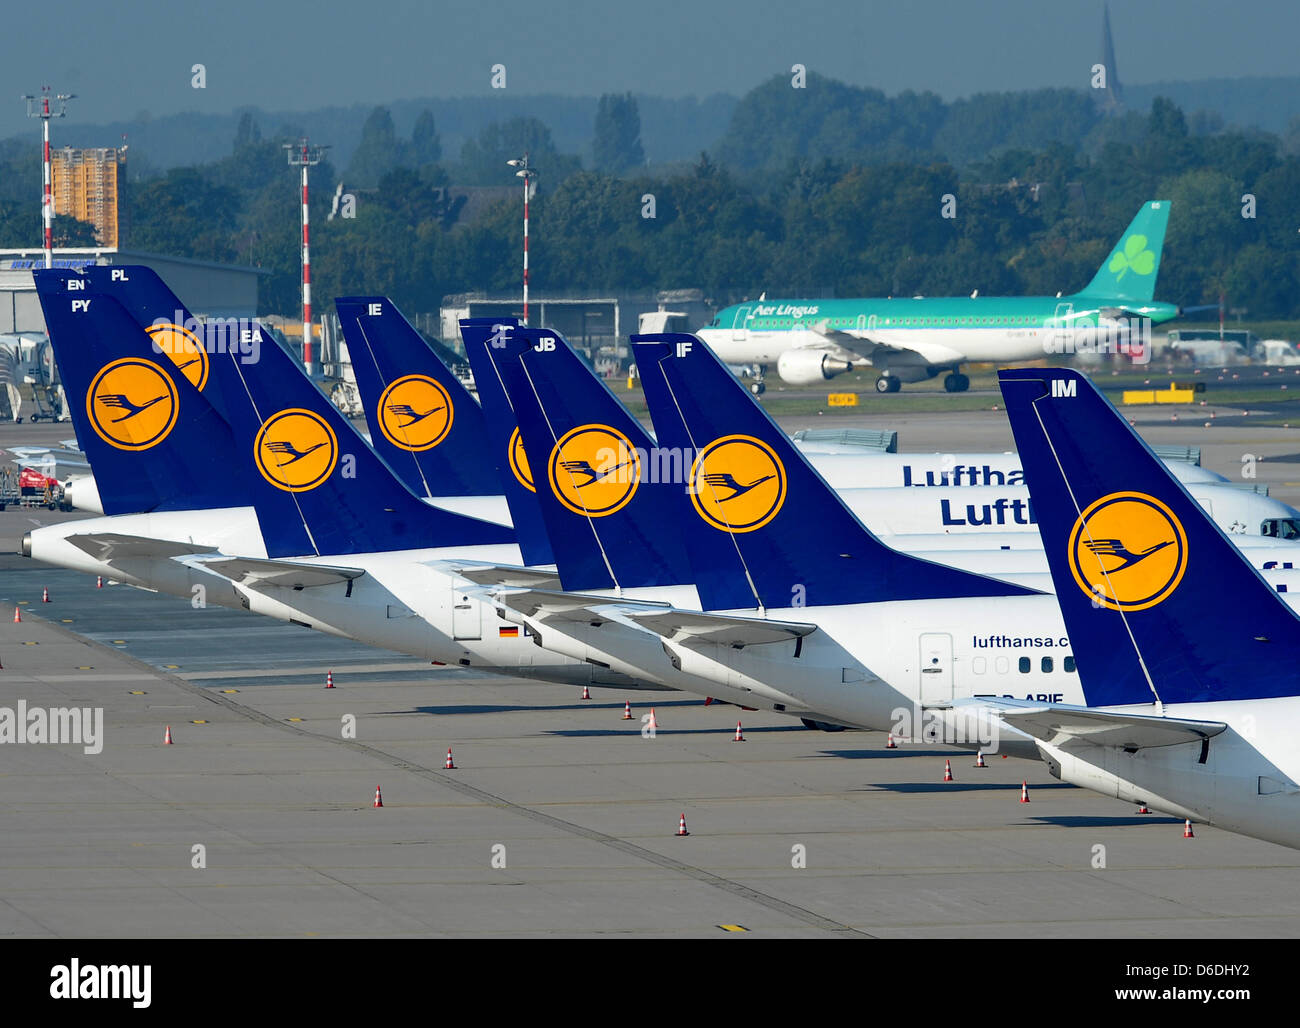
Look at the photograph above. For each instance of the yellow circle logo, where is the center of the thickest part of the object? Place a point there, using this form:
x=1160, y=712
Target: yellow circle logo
x=1128, y=551
x=185, y=350
x=132, y=404
x=295, y=450
x=738, y=483
x=595, y=470
x=415, y=413
x=519, y=461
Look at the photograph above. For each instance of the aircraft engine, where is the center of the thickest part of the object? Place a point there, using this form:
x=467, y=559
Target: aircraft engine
x=804, y=367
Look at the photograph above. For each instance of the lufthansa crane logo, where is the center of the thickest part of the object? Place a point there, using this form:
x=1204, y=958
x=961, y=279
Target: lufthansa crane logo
x=594, y=470
x=519, y=461
x=738, y=483
x=132, y=404
x=1128, y=551
x=184, y=349
x=415, y=413
x=295, y=450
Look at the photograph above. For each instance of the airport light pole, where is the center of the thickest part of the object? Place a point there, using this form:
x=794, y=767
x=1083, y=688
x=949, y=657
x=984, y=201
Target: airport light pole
x=42, y=111
x=529, y=175
x=302, y=155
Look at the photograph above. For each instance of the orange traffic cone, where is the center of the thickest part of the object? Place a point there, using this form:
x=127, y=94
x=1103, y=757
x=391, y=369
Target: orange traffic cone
x=18, y=616
x=99, y=581
x=889, y=743
x=167, y=736
x=627, y=710
x=1143, y=809
x=740, y=736
x=45, y=596
x=586, y=693
x=1187, y=830
x=979, y=759
x=1024, y=792
x=451, y=764
x=379, y=799
x=947, y=770
x=653, y=723
x=681, y=826
x=329, y=679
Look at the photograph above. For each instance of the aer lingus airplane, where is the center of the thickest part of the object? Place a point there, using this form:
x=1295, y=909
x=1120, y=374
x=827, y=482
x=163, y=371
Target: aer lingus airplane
x=910, y=340
x=1188, y=659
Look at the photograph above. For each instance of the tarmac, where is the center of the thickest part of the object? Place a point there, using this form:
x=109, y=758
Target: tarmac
x=560, y=818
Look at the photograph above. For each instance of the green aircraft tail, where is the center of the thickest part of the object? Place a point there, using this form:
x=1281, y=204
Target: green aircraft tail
x=1129, y=273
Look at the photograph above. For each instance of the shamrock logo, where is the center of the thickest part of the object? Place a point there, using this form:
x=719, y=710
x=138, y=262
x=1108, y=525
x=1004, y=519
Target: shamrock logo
x=1135, y=257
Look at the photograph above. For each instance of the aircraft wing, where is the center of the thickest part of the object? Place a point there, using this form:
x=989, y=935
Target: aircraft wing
x=288, y=574
x=585, y=608
x=660, y=618
x=497, y=574
x=852, y=346
x=723, y=629
x=108, y=546
x=1062, y=724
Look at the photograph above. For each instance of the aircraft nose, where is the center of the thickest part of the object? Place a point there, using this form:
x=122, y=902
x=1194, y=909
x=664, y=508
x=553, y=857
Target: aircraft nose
x=27, y=544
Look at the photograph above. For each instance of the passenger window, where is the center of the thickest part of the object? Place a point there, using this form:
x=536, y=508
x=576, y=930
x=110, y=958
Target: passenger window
x=1002, y=664
x=1025, y=665
x=1047, y=665
x=979, y=665
x=1069, y=665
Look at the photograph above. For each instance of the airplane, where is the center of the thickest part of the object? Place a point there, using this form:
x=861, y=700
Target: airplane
x=1187, y=657
x=828, y=625
x=334, y=543
x=910, y=340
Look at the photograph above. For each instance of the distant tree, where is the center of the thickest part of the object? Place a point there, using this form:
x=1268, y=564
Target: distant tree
x=248, y=132
x=379, y=151
x=616, y=144
x=426, y=145
x=483, y=159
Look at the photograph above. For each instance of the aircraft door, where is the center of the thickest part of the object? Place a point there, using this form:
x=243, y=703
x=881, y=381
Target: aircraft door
x=466, y=616
x=935, y=668
x=741, y=323
x=1063, y=329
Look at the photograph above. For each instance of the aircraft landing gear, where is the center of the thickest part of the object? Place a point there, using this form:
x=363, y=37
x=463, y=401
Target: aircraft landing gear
x=757, y=385
x=757, y=388
x=888, y=384
x=956, y=382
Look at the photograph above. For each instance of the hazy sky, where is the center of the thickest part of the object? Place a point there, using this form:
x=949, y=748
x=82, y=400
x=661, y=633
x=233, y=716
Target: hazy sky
x=129, y=56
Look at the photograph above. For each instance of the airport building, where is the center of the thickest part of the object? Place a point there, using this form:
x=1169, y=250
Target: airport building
x=208, y=288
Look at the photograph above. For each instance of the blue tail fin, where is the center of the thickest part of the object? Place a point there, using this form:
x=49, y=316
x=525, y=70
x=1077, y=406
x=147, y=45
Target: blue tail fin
x=318, y=488
x=159, y=311
x=610, y=526
x=514, y=475
x=1148, y=584
x=423, y=422
x=153, y=441
x=779, y=535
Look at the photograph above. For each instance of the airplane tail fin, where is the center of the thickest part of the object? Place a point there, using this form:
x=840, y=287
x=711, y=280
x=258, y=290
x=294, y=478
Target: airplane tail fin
x=514, y=474
x=1130, y=271
x=423, y=422
x=1157, y=601
x=592, y=464
x=153, y=441
x=776, y=534
x=318, y=488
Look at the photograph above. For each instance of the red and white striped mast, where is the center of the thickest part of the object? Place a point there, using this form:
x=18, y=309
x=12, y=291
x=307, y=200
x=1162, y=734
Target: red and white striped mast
x=528, y=175
x=304, y=156
x=47, y=197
